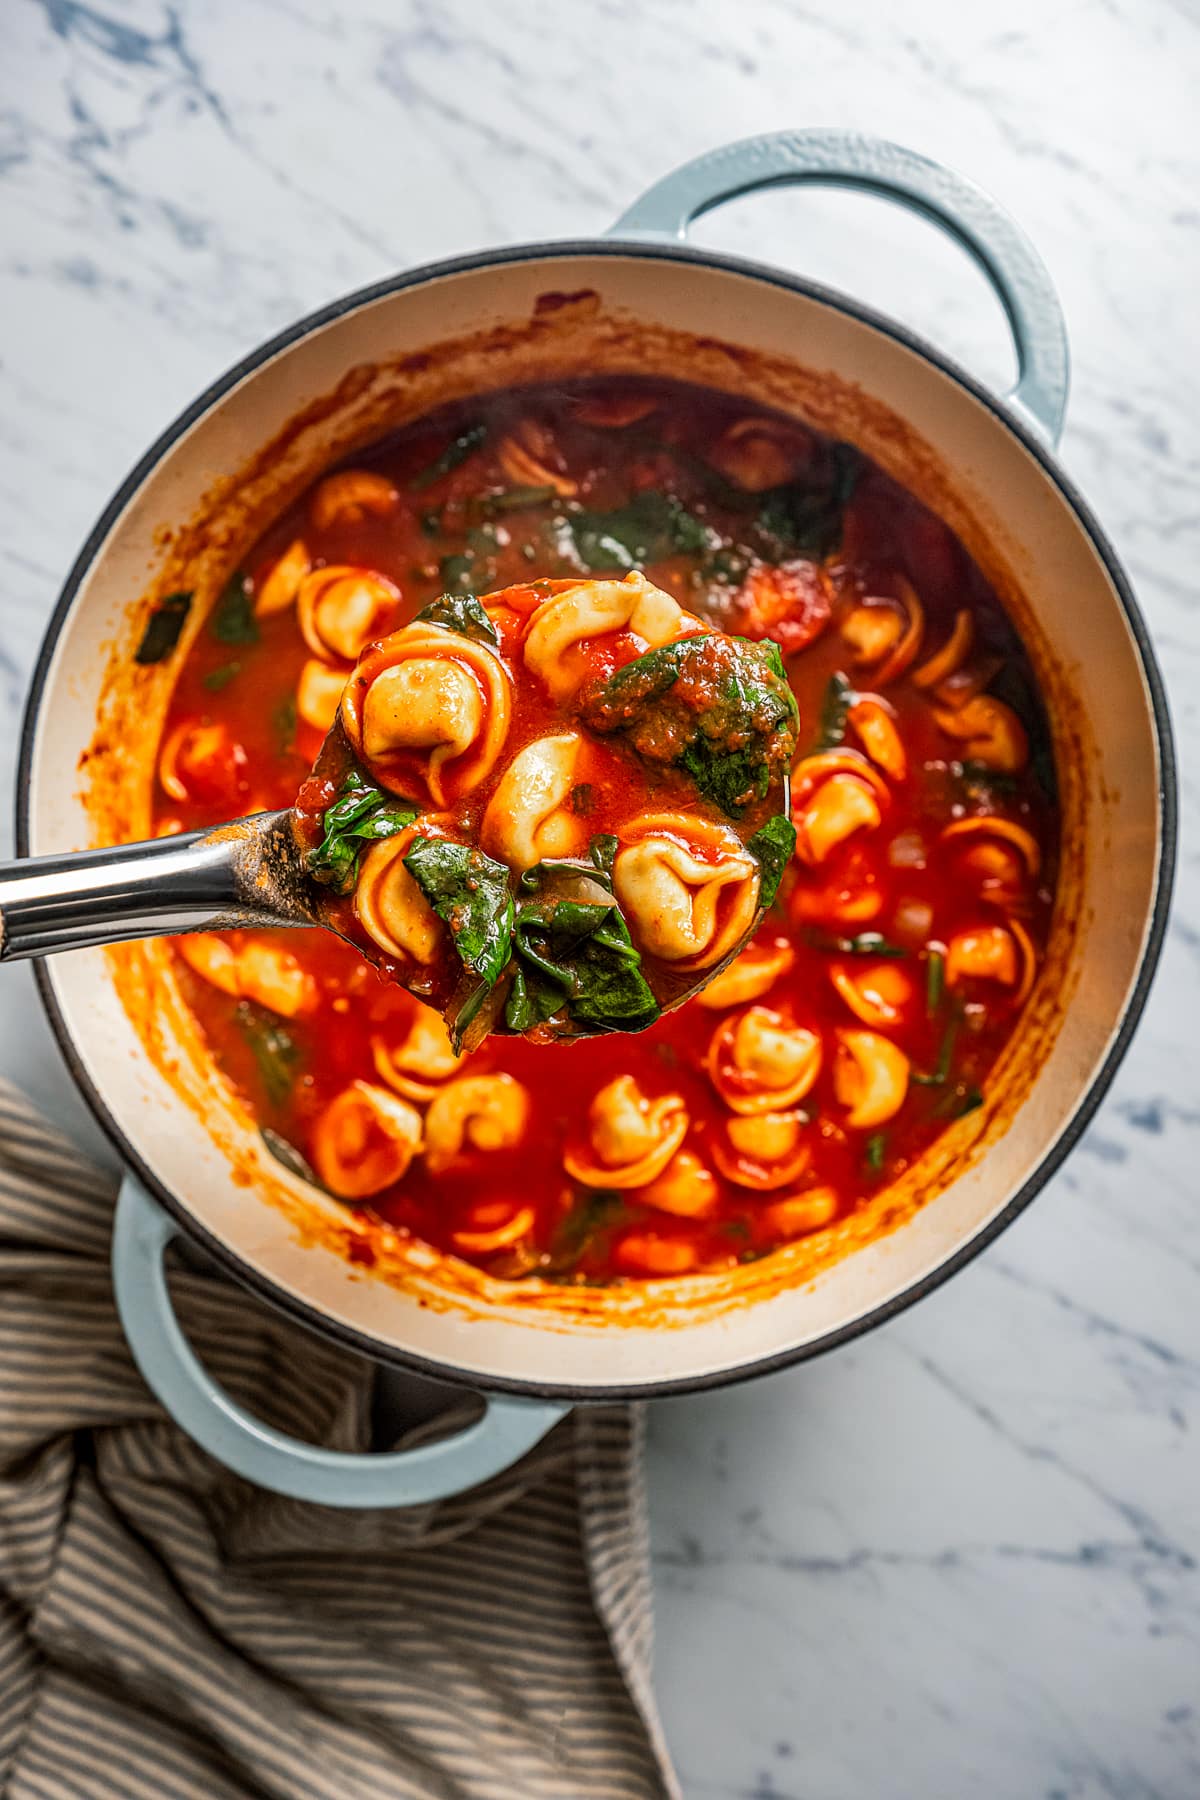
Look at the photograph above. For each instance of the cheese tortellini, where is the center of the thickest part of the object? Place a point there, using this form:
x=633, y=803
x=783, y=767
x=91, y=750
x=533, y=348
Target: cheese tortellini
x=631, y=1137
x=870, y=1078
x=421, y=1061
x=759, y=1063
x=429, y=710
x=489, y=1112
x=879, y=993
x=885, y=634
x=593, y=609
x=748, y=976
x=835, y=794
x=251, y=968
x=365, y=1140
x=390, y=906
x=1000, y=953
x=686, y=1187
x=339, y=609
x=688, y=888
x=874, y=724
x=280, y=585
x=350, y=496
x=1001, y=856
x=765, y=1152
x=759, y=453
x=529, y=816
x=987, y=732
x=795, y=1215
x=319, y=693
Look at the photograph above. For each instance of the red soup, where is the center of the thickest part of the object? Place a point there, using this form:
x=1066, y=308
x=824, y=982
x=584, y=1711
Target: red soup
x=906, y=933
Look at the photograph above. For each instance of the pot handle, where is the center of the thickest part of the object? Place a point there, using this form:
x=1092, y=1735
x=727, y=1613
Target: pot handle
x=874, y=166
x=271, y=1459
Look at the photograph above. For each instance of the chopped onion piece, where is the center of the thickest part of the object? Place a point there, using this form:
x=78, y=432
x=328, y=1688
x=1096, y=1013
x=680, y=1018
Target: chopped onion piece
x=907, y=851
x=913, y=921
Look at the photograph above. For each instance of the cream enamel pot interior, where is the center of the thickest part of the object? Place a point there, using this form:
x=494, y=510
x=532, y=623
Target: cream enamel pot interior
x=637, y=300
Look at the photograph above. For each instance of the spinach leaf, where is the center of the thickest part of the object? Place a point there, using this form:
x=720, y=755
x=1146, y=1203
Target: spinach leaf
x=275, y=1050
x=731, y=779
x=597, y=866
x=532, y=1001
x=592, y=1213
x=774, y=846
x=958, y=1101
x=470, y=893
x=717, y=707
x=462, y=613
x=940, y=1073
x=514, y=499
x=220, y=678
x=233, y=620
x=805, y=516
x=163, y=628
x=361, y=814
x=287, y=1154
x=648, y=527
x=578, y=955
x=456, y=452
x=870, y=943
x=835, y=709
x=285, y=720
x=865, y=943
x=455, y=573
x=935, y=980
x=982, y=786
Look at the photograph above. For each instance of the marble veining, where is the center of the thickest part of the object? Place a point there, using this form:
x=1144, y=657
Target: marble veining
x=959, y=1556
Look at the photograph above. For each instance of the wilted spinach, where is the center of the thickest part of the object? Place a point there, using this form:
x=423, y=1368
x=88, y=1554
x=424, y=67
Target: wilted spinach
x=470, y=893
x=719, y=708
x=163, y=629
x=773, y=845
x=275, y=1050
x=462, y=613
x=835, y=710
x=233, y=620
x=362, y=814
x=646, y=529
x=456, y=452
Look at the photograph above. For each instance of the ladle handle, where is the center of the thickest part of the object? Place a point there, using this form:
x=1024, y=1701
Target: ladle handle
x=184, y=883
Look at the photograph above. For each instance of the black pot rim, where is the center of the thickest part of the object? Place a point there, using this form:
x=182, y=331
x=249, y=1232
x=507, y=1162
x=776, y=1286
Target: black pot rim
x=349, y=1336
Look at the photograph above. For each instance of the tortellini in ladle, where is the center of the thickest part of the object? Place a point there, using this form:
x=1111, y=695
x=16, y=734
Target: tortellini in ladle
x=529, y=816
x=551, y=811
x=391, y=907
x=428, y=710
x=689, y=888
x=561, y=626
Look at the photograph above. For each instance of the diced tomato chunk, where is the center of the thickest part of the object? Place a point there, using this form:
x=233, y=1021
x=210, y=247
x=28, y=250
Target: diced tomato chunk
x=789, y=603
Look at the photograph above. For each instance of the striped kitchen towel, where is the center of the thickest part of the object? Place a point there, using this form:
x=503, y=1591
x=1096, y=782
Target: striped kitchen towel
x=166, y=1629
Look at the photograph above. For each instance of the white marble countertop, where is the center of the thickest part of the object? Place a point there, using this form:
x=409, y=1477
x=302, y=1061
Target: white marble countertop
x=960, y=1556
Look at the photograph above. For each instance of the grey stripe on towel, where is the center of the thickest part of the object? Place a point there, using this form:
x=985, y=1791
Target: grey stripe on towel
x=166, y=1629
